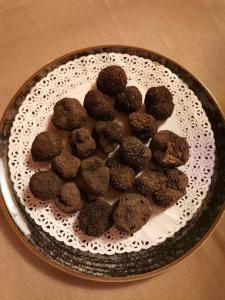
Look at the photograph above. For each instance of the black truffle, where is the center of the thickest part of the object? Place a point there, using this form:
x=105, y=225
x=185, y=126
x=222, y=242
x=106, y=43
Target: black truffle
x=130, y=100
x=108, y=134
x=66, y=165
x=95, y=175
x=143, y=126
x=45, y=185
x=69, y=114
x=95, y=217
x=166, y=197
x=82, y=143
x=112, y=80
x=46, y=145
x=159, y=102
x=132, y=212
x=169, y=149
x=99, y=106
x=134, y=152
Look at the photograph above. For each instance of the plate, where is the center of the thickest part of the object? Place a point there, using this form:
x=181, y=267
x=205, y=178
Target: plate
x=118, y=266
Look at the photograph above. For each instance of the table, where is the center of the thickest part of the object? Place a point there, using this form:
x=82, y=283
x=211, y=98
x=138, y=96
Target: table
x=32, y=33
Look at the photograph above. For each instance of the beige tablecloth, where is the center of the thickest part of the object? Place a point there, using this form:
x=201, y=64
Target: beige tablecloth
x=32, y=33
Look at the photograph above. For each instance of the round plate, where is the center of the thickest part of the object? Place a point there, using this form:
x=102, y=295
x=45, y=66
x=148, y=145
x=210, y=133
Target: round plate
x=126, y=266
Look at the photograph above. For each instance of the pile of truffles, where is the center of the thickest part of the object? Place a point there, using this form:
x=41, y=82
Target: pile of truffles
x=107, y=156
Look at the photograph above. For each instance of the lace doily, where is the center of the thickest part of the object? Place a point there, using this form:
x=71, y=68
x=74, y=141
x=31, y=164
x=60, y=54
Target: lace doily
x=74, y=79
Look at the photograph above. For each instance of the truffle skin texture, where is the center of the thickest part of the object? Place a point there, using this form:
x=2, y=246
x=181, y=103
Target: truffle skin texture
x=167, y=197
x=134, y=152
x=69, y=200
x=108, y=134
x=95, y=217
x=69, y=114
x=82, y=143
x=132, y=212
x=143, y=125
x=169, y=149
x=121, y=176
x=112, y=80
x=45, y=185
x=129, y=101
x=66, y=165
x=159, y=102
x=95, y=175
x=99, y=106
x=46, y=145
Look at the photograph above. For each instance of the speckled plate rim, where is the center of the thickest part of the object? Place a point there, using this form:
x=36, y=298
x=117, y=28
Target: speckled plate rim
x=194, y=240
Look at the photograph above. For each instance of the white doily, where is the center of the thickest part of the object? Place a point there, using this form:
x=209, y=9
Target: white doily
x=74, y=79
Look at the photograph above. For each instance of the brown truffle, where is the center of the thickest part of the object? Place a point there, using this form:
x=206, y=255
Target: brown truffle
x=95, y=217
x=169, y=149
x=159, y=102
x=66, y=165
x=112, y=80
x=46, y=145
x=143, y=126
x=45, y=185
x=69, y=114
x=95, y=175
x=108, y=134
x=132, y=212
x=166, y=197
x=99, y=106
x=130, y=100
x=82, y=143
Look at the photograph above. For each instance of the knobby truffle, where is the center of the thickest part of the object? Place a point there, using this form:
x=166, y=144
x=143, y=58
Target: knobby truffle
x=129, y=100
x=82, y=143
x=66, y=165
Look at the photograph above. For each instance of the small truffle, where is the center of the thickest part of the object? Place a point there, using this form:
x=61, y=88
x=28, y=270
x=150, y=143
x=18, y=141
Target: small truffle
x=95, y=217
x=95, y=175
x=130, y=100
x=132, y=212
x=69, y=114
x=112, y=80
x=108, y=134
x=46, y=145
x=143, y=125
x=82, y=143
x=99, y=106
x=134, y=152
x=66, y=165
x=159, y=102
x=169, y=149
x=45, y=185
x=69, y=200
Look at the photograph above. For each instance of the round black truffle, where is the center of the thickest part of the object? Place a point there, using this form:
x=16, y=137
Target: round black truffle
x=82, y=143
x=95, y=217
x=112, y=80
x=45, y=185
x=99, y=106
x=129, y=100
x=69, y=114
x=108, y=134
x=66, y=165
x=169, y=149
x=46, y=145
x=132, y=212
x=159, y=102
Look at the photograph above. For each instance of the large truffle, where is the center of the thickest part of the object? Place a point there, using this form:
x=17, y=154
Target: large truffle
x=45, y=185
x=82, y=143
x=69, y=114
x=108, y=134
x=132, y=212
x=95, y=175
x=99, y=106
x=95, y=217
x=159, y=102
x=66, y=165
x=134, y=152
x=169, y=149
x=143, y=125
x=112, y=80
x=129, y=100
x=46, y=145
